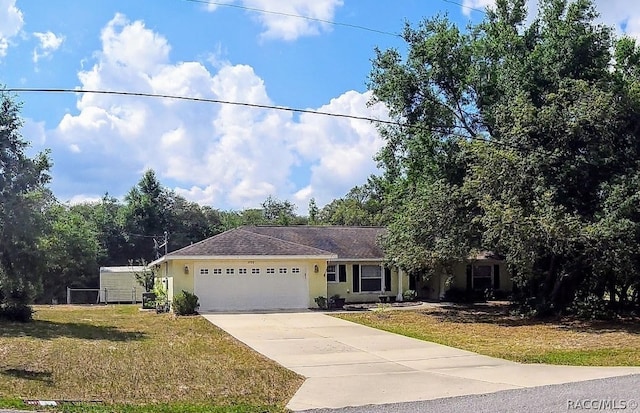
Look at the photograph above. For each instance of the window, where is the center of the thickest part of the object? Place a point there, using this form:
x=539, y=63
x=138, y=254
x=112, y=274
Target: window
x=242, y=271
x=282, y=271
x=204, y=271
x=217, y=270
x=482, y=277
x=370, y=278
x=271, y=270
x=331, y=273
x=230, y=270
x=255, y=271
x=342, y=273
x=295, y=270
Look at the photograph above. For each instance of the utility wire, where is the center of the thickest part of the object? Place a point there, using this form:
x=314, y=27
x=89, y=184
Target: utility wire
x=254, y=105
x=277, y=13
x=465, y=6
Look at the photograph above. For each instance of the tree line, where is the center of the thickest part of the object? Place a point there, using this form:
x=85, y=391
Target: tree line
x=515, y=135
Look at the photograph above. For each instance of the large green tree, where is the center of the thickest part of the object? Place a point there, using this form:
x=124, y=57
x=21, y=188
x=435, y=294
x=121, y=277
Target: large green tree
x=23, y=195
x=520, y=138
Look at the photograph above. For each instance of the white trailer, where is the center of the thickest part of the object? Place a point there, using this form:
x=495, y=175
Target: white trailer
x=119, y=284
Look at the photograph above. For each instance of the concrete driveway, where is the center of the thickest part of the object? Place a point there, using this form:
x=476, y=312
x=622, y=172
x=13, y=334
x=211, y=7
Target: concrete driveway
x=347, y=364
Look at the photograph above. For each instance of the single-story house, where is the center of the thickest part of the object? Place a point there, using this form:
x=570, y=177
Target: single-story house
x=287, y=267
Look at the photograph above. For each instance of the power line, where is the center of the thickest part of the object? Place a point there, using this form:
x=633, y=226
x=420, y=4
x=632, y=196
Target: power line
x=252, y=105
x=277, y=13
x=465, y=6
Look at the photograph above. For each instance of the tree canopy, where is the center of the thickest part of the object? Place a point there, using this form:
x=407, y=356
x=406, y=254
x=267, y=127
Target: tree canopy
x=520, y=137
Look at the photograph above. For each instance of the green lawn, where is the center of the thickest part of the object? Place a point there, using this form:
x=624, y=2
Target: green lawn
x=136, y=361
x=493, y=331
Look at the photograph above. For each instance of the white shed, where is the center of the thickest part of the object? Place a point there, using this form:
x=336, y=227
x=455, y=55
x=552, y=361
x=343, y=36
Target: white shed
x=119, y=285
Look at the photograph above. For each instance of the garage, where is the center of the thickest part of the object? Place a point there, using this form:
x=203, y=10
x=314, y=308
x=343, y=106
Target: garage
x=262, y=286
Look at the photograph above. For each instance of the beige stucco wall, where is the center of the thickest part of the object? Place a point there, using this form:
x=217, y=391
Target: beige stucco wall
x=345, y=289
x=435, y=287
x=184, y=280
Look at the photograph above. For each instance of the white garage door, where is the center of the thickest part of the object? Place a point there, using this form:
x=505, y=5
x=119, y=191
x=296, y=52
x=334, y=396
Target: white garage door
x=269, y=287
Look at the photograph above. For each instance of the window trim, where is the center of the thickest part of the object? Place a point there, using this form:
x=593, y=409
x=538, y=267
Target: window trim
x=380, y=278
x=334, y=272
x=487, y=277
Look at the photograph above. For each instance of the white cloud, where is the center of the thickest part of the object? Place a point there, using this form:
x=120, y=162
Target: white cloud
x=11, y=22
x=228, y=156
x=282, y=22
x=34, y=131
x=83, y=199
x=49, y=43
x=624, y=15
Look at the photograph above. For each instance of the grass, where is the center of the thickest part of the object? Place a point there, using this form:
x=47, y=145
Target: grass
x=134, y=361
x=493, y=331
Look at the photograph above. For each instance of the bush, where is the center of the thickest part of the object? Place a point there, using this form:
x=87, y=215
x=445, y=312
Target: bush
x=185, y=303
x=409, y=295
x=16, y=312
x=322, y=302
x=459, y=295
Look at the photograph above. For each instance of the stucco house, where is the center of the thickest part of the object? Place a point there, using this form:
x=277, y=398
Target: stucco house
x=287, y=267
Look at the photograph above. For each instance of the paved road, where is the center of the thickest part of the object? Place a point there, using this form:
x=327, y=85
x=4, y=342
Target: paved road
x=619, y=394
x=348, y=364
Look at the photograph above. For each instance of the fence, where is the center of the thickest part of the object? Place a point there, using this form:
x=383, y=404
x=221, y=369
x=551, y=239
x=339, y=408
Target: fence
x=104, y=295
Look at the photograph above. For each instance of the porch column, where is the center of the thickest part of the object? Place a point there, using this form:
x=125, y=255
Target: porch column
x=382, y=278
x=400, y=275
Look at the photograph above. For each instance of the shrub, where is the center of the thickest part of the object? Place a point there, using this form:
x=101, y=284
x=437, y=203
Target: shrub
x=409, y=295
x=185, y=303
x=16, y=312
x=322, y=302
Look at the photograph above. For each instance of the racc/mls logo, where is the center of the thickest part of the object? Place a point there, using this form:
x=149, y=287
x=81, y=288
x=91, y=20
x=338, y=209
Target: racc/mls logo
x=601, y=404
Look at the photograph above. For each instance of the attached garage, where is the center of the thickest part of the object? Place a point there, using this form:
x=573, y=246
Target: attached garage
x=240, y=270
x=269, y=285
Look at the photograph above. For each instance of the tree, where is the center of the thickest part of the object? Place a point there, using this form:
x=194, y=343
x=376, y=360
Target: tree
x=362, y=206
x=278, y=212
x=313, y=212
x=70, y=251
x=146, y=216
x=515, y=138
x=23, y=195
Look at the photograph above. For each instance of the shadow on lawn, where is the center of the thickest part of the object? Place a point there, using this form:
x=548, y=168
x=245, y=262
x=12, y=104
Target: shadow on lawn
x=47, y=330
x=501, y=314
x=43, y=376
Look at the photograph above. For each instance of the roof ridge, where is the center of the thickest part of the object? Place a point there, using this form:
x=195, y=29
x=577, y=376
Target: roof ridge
x=285, y=241
x=204, y=240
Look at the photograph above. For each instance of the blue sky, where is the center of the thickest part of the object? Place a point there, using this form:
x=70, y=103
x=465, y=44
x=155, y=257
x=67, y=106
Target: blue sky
x=228, y=157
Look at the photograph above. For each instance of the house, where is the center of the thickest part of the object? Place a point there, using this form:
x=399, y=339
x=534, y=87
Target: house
x=481, y=271
x=287, y=267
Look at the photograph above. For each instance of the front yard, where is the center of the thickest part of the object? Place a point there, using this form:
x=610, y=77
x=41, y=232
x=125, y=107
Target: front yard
x=493, y=331
x=136, y=361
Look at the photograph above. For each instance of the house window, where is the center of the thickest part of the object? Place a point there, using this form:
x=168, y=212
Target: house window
x=242, y=271
x=271, y=270
x=217, y=270
x=370, y=278
x=204, y=271
x=342, y=273
x=295, y=270
x=482, y=276
x=255, y=271
x=331, y=273
x=282, y=270
x=230, y=270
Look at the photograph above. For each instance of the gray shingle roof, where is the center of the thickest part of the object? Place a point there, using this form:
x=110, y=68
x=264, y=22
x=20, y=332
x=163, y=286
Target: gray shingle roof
x=345, y=242
x=239, y=241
